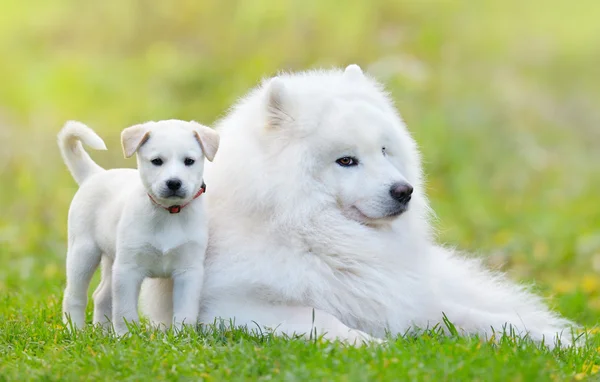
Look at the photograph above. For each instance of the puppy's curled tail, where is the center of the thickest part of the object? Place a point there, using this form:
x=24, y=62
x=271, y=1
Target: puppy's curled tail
x=76, y=158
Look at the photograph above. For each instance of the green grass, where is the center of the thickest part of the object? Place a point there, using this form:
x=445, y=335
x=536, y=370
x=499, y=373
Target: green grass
x=502, y=97
x=241, y=355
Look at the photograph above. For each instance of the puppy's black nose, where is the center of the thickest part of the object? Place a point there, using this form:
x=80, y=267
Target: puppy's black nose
x=401, y=192
x=173, y=184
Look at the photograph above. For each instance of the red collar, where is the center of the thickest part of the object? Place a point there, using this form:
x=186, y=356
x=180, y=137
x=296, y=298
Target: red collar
x=177, y=208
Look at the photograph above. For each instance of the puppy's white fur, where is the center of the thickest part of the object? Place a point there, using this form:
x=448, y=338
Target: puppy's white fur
x=292, y=231
x=113, y=220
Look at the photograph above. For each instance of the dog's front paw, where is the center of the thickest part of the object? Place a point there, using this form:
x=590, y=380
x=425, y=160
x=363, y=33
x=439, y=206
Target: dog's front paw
x=352, y=337
x=359, y=338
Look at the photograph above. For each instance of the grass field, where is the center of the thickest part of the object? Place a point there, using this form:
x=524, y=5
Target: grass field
x=502, y=96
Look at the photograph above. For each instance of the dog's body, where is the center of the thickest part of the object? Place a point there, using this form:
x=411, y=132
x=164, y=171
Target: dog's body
x=312, y=209
x=122, y=217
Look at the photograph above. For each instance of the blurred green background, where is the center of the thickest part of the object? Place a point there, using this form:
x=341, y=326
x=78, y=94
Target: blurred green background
x=502, y=96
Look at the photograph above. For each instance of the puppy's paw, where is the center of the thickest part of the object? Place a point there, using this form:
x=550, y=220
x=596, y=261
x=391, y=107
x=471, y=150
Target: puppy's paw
x=71, y=328
x=177, y=326
x=121, y=330
x=73, y=324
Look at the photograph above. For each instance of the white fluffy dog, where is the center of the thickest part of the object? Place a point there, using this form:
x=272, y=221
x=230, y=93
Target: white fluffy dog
x=146, y=223
x=318, y=204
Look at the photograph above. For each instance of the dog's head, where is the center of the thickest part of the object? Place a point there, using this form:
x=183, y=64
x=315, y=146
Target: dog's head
x=346, y=141
x=170, y=156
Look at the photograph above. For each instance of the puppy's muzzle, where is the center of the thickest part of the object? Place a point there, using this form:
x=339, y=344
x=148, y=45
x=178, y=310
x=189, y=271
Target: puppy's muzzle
x=173, y=184
x=173, y=189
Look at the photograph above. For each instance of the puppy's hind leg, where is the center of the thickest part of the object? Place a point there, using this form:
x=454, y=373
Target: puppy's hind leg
x=156, y=301
x=103, y=294
x=83, y=257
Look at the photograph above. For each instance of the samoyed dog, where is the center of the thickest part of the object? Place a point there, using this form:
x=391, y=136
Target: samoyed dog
x=319, y=223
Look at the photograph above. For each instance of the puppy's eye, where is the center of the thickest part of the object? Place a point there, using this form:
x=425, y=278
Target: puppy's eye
x=189, y=161
x=347, y=161
x=157, y=161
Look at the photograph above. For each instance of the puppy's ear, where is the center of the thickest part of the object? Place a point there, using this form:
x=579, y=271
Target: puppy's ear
x=208, y=140
x=132, y=138
x=278, y=104
x=353, y=72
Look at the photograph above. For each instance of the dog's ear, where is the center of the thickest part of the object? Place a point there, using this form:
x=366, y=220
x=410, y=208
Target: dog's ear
x=207, y=138
x=132, y=138
x=278, y=105
x=353, y=72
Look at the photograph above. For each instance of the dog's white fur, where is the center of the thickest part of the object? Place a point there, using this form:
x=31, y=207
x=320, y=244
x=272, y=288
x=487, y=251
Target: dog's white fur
x=113, y=220
x=293, y=232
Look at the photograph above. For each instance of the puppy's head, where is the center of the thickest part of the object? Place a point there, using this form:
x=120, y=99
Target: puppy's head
x=170, y=156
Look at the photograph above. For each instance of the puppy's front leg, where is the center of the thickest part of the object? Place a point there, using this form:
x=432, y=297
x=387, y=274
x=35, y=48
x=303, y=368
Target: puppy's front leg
x=187, y=290
x=126, y=283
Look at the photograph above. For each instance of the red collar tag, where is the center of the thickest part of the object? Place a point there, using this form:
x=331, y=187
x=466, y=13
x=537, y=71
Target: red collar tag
x=177, y=208
x=174, y=209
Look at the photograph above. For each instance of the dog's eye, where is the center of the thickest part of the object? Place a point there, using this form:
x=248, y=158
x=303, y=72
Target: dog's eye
x=189, y=161
x=157, y=161
x=347, y=161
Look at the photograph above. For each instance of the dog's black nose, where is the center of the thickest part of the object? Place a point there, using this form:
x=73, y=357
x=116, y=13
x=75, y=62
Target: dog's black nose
x=401, y=192
x=173, y=184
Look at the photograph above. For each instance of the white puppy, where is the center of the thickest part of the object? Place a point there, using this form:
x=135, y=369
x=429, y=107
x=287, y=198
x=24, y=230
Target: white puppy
x=146, y=223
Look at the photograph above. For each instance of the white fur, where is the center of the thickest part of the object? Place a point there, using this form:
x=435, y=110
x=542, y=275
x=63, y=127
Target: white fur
x=292, y=231
x=113, y=221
